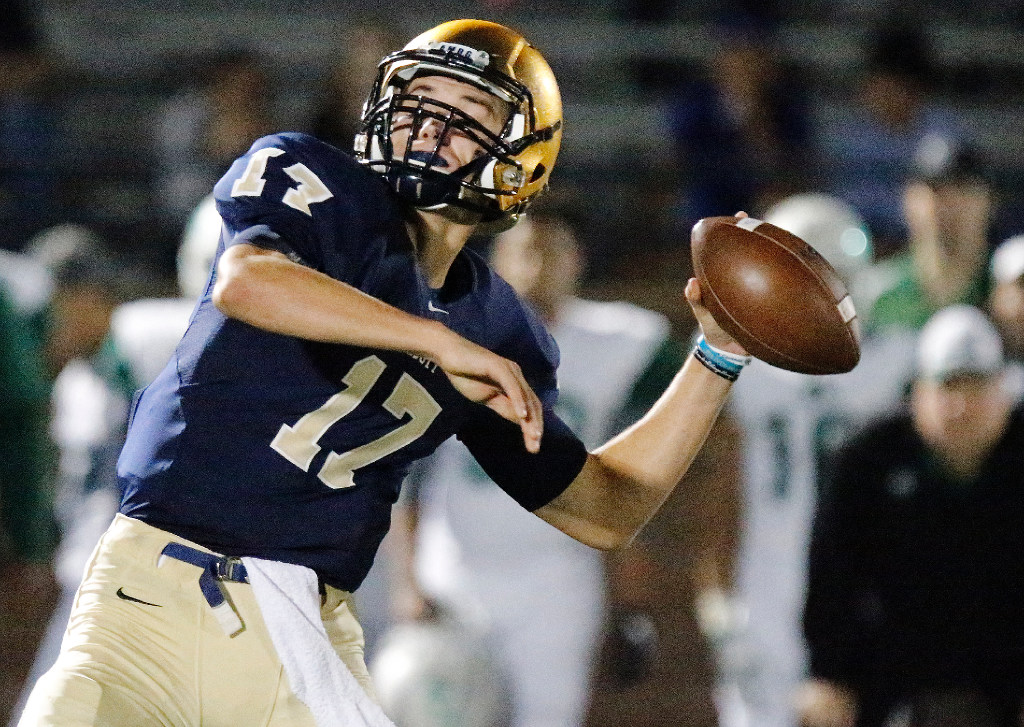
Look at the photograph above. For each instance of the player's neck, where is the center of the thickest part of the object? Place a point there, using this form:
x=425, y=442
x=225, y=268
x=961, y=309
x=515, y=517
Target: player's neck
x=438, y=241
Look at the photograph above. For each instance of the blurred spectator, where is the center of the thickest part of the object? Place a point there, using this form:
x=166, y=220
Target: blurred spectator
x=28, y=133
x=547, y=621
x=916, y=578
x=147, y=331
x=28, y=285
x=339, y=103
x=1006, y=304
x=790, y=425
x=742, y=132
x=687, y=558
x=947, y=203
x=28, y=532
x=27, y=537
x=868, y=150
x=206, y=126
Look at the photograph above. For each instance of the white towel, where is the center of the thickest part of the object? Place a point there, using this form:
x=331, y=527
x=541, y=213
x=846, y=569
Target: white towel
x=289, y=600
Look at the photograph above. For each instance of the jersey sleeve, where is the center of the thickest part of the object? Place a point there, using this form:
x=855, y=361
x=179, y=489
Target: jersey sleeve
x=307, y=200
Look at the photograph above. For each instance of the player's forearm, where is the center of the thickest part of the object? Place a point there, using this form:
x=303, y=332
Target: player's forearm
x=271, y=292
x=624, y=482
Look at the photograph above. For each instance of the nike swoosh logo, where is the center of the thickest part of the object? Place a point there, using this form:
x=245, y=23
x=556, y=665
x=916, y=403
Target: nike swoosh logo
x=434, y=308
x=122, y=595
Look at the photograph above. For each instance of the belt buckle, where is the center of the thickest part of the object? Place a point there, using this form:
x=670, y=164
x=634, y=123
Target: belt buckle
x=227, y=567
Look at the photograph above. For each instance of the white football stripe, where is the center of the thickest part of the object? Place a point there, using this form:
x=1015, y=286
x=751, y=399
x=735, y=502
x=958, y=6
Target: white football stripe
x=749, y=223
x=846, y=309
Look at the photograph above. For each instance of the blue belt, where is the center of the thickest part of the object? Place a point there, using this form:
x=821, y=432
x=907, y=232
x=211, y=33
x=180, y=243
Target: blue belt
x=215, y=570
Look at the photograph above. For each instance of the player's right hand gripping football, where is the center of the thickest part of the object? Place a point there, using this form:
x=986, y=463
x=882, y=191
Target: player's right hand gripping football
x=496, y=382
x=713, y=333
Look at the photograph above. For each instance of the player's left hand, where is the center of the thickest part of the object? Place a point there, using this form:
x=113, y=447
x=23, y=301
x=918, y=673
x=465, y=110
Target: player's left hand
x=496, y=382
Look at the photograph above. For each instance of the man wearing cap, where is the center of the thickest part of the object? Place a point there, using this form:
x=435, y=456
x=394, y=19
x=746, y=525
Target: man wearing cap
x=947, y=205
x=916, y=576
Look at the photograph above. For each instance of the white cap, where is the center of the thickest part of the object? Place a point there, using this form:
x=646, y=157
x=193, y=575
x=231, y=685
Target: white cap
x=959, y=340
x=1008, y=260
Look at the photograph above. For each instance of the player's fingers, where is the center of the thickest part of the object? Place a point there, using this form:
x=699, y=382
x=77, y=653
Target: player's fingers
x=693, y=291
x=505, y=389
x=533, y=428
x=529, y=412
x=531, y=436
x=713, y=332
x=741, y=214
x=502, y=404
x=531, y=432
x=696, y=301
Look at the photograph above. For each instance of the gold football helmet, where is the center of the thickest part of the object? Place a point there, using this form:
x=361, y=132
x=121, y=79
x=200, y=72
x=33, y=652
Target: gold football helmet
x=517, y=161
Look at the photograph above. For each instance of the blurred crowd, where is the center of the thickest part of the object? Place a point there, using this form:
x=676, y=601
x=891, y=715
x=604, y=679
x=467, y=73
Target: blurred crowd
x=845, y=551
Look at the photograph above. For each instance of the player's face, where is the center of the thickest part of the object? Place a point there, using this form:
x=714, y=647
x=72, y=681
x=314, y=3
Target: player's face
x=456, y=147
x=80, y=321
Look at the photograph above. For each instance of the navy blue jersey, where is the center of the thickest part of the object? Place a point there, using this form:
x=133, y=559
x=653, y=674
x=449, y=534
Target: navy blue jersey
x=255, y=443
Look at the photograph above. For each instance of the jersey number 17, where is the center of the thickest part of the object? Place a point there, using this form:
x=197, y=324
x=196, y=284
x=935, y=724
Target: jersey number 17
x=298, y=443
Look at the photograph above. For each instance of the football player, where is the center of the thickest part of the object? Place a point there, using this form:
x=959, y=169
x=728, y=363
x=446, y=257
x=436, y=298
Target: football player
x=345, y=333
x=791, y=424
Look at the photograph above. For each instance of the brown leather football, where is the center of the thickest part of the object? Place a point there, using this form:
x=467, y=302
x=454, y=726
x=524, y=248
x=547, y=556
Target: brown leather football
x=776, y=295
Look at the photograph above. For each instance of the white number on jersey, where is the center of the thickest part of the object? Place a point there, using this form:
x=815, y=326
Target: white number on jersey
x=309, y=191
x=298, y=443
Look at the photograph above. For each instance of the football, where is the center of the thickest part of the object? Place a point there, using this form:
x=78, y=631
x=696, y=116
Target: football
x=776, y=295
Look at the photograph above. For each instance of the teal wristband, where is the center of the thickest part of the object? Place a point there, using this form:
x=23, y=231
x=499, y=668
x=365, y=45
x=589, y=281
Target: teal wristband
x=725, y=364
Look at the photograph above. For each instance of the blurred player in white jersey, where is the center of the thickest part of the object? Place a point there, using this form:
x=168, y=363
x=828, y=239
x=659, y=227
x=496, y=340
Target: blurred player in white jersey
x=539, y=593
x=67, y=287
x=790, y=424
x=90, y=409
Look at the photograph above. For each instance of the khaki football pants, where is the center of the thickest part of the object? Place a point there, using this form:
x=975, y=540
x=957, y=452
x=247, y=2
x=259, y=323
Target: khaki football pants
x=156, y=655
